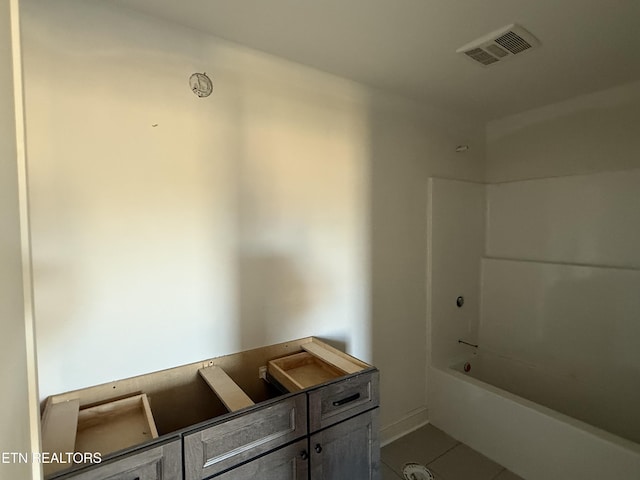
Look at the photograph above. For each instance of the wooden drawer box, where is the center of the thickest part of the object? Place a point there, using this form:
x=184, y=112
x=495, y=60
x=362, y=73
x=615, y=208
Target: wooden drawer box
x=217, y=448
x=115, y=425
x=336, y=402
x=318, y=363
x=105, y=428
x=302, y=370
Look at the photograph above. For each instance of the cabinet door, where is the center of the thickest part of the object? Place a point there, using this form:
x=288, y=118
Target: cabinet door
x=158, y=463
x=287, y=463
x=347, y=451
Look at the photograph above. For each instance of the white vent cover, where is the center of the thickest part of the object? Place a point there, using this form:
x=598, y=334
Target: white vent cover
x=499, y=45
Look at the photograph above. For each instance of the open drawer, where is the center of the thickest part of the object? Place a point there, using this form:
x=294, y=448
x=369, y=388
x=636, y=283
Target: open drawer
x=99, y=429
x=318, y=363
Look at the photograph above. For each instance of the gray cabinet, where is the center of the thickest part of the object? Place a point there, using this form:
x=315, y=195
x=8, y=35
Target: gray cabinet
x=220, y=447
x=346, y=451
x=219, y=419
x=162, y=462
x=286, y=463
x=344, y=399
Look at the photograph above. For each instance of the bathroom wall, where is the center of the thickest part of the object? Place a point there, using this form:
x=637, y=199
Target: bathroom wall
x=562, y=273
x=169, y=228
x=586, y=134
x=16, y=377
x=455, y=249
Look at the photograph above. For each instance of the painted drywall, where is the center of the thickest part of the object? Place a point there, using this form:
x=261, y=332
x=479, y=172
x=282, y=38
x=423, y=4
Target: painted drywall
x=409, y=146
x=587, y=134
x=169, y=228
x=15, y=424
x=456, y=246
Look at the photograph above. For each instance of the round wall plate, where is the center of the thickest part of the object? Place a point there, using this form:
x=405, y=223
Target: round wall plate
x=201, y=84
x=415, y=471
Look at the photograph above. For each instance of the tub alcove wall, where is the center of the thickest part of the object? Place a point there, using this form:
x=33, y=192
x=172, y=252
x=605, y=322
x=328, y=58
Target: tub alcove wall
x=558, y=281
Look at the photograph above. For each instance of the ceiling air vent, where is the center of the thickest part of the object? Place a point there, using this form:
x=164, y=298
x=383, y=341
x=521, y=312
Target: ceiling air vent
x=499, y=45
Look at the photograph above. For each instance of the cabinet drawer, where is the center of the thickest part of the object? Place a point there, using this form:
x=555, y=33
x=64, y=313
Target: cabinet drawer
x=287, y=463
x=162, y=462
x=222, y=446
x=339, y=401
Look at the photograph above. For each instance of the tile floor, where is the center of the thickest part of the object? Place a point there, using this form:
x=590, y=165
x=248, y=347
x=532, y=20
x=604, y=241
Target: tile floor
x=445, y=457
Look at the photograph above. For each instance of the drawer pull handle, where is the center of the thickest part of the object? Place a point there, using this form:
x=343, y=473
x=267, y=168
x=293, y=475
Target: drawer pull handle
x=318, y=448
x=304, y=455
x=339, y=403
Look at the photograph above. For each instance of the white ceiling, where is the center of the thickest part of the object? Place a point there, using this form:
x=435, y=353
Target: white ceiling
x=408, y=46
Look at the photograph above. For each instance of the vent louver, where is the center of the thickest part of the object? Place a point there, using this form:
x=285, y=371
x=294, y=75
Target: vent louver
x=499, y=45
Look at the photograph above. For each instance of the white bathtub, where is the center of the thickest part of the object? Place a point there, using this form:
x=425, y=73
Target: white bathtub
x=529, y=439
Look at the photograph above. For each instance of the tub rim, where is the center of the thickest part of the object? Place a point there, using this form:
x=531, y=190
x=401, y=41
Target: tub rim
x=591, y=430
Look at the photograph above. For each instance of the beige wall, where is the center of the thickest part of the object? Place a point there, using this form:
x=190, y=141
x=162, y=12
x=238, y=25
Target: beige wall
x=15, y=373
x=587, y=134
x=409, y=147
x=237, y=221
x=289, y=203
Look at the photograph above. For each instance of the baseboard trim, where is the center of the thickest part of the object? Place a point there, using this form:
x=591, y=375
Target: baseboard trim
x=404, y=426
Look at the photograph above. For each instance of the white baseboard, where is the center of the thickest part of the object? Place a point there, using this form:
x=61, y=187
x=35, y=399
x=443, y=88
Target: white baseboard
x=402, y=427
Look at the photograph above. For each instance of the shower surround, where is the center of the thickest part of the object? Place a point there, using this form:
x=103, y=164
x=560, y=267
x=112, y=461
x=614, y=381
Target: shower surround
x=552, y=303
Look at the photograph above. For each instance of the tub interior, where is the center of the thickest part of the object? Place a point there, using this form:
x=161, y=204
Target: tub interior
x=607, y=409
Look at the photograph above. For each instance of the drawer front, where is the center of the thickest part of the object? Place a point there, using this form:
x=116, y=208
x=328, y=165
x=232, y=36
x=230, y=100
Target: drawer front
x=287, y=463
x=158, y=463
x=222, y=446
x=339, y=401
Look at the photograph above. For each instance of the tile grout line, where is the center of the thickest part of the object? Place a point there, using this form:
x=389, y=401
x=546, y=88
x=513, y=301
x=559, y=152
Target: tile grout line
x=457, y=444
x=499, y=473
x=392, y=469
x=445, y=452
x=442, y=455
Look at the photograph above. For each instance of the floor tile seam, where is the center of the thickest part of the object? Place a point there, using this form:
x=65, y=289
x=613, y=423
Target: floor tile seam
x=499, y=473
x=455, y=445
x=440, y=456
x=444, y=453
x=392, y=469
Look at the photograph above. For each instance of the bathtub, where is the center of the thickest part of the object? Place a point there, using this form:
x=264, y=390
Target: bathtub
x=528, y=438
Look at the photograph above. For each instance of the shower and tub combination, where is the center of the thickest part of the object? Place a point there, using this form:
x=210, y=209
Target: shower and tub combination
x=538, y=367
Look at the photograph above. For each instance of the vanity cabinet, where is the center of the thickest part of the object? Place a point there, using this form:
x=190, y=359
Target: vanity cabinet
x=300, y=410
